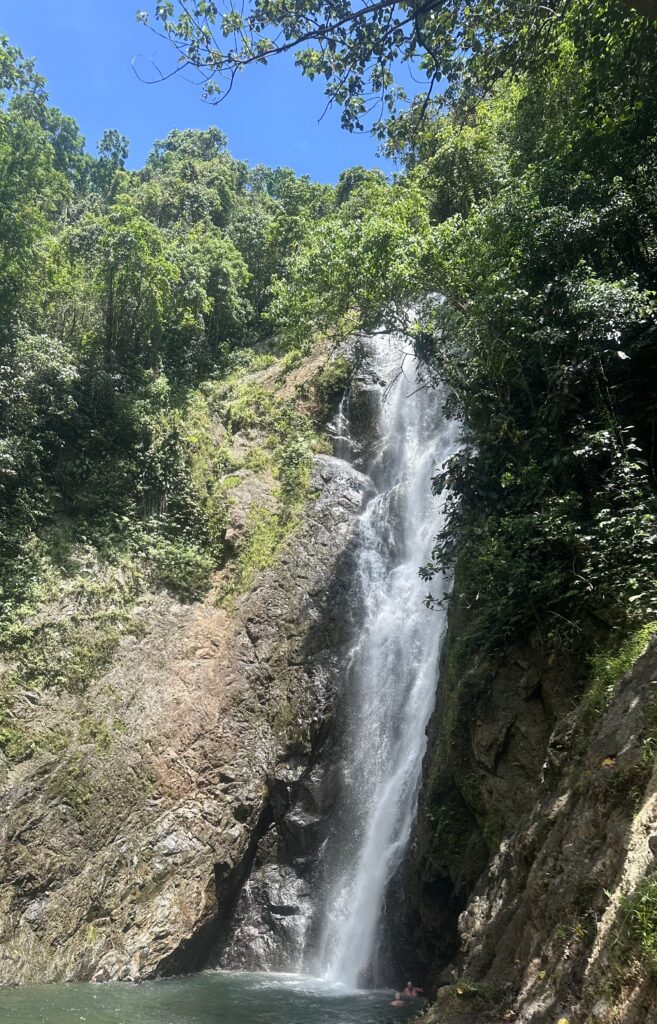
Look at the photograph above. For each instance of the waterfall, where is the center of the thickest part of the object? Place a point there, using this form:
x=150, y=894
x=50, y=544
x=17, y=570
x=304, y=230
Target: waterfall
x=390, y=673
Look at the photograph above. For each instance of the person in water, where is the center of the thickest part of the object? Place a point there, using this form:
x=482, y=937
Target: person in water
x=398, y=1001
x=411, y=990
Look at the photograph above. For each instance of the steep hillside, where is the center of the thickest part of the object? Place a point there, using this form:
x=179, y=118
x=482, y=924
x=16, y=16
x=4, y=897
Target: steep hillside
x=136, y=789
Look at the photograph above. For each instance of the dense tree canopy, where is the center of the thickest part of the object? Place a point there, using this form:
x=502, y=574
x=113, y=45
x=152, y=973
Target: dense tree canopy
x=517, y=251
x=523, y=236
x=121, y=292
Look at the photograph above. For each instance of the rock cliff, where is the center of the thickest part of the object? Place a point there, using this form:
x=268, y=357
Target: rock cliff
x=188, y=767
x=534, y=893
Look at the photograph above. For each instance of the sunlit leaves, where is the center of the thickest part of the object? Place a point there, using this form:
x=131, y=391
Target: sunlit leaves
x=361, y=264
x=357, y=48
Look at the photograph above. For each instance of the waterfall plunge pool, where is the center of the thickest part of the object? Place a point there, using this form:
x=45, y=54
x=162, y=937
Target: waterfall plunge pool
x=212, y=998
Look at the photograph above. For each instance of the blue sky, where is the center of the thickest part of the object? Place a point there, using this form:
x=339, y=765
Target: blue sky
x=85, y=49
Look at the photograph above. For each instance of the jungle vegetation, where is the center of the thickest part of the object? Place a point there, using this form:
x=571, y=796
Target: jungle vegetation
x=133, y=305
x=521, y=230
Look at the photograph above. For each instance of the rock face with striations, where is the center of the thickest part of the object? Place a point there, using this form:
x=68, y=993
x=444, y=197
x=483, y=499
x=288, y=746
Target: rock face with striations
x=534, y=843
x=131, y=855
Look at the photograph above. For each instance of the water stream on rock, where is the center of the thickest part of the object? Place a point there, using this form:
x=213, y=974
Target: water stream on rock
x=391, y=672
x=389, y=678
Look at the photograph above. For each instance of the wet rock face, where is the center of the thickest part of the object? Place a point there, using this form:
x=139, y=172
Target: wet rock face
x=486, y=749
x=131, y=855
x=268, y=928
x=535, y=913
x=269, y=924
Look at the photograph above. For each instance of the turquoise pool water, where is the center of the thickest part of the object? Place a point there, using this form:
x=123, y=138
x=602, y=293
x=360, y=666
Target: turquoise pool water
x=217, y=998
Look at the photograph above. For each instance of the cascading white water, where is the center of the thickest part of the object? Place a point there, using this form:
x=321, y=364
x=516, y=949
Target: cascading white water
x=391, y=671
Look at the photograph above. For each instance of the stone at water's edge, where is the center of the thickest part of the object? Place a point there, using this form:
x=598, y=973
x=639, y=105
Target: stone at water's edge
x=130, y=855
x=268, y=928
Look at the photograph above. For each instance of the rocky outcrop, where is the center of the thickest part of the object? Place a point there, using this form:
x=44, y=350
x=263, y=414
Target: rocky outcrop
x=533, y=870
x=271, y=920
x=128, y=852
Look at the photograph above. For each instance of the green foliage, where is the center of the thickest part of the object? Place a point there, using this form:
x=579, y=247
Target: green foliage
x=184, y=569
x=70, y=785
x=65, y=628
x=517, y=252
x=100, y=734
x=331, y=382
x=244, y=404
x=17, y=743
x=113, y=151
x=357, y=49
x=524, y=236
x=293, y=443
x=263, y=535
x=133, y=337
x=289, y=440
x=607, y=667
x=636, y=938
x=358, y=268
x=124, y=298
x=66, y=654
